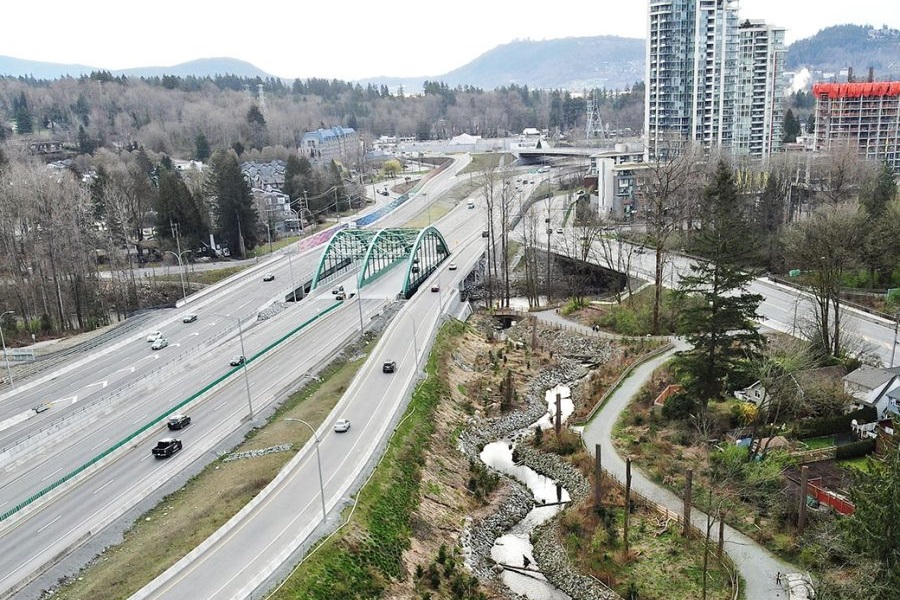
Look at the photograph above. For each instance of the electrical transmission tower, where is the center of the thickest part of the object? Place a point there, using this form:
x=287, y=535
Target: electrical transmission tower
x=594, y=128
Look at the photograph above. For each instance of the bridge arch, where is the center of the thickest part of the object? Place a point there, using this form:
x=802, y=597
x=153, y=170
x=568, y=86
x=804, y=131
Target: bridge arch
x=427, y=252
x=344, y=250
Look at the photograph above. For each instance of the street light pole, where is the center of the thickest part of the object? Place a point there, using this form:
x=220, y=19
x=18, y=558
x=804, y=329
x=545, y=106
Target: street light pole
x=293, y=282
x=893, y=347
x=181, y=272
x=5, y=356
x=246, y=377
x=269, y=236
x=318, y=462
x=359, y=304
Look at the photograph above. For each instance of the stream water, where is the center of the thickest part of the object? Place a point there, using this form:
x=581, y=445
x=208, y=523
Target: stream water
x=515, y=548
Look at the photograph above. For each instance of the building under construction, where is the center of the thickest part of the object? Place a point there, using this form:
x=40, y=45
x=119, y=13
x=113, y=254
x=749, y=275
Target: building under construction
x=864, y=115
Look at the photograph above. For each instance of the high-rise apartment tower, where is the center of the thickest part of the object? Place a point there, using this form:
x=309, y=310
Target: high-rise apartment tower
x=758, y=94
x=692, y=50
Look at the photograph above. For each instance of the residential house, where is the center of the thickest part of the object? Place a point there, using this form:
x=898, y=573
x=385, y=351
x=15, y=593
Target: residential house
x=875, y=387
x=803, y=380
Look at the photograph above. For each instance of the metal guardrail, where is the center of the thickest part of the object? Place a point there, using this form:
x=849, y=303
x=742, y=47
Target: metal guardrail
x=155, y=421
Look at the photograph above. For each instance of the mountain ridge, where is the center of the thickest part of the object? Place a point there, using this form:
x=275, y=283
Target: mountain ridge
x=573, y=63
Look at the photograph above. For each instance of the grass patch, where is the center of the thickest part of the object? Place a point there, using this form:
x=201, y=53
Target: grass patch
x=816, y=443
x=182, y=520
x=860, y=463
x=488, y=160
x=263, y=248
x=367, y=553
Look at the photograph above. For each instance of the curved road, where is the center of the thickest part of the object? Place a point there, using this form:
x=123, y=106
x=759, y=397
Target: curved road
x=757, y=566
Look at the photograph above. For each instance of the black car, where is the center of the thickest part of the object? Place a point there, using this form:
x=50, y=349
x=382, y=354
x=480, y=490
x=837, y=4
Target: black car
x=178, y=422
x=389, y=366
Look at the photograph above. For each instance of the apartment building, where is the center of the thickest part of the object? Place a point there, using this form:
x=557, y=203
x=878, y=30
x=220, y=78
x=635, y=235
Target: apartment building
x=323, y=145
x=864, y=115
x=690, y=74
x=758, y=93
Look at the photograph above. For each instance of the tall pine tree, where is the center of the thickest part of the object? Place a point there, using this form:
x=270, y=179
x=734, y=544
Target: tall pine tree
x=718, y=315
x=236, y=215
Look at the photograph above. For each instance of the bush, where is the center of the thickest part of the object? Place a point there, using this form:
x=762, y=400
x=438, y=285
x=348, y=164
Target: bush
x=679, y=406
x=808, y=428
x=854, y=449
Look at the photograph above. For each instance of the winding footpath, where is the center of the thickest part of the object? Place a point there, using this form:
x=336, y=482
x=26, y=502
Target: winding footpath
x=757, y=566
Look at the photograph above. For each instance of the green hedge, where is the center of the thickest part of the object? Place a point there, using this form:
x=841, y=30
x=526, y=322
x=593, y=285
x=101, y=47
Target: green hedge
x=808, y=428
x=854, y=449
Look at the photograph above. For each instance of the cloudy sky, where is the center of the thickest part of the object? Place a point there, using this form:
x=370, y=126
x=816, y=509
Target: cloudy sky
x=352, y=39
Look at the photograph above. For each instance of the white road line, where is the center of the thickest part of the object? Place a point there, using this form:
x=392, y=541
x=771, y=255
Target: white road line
x=103, y=486
x=51, y=474
x=49, y=524
x=103, y=442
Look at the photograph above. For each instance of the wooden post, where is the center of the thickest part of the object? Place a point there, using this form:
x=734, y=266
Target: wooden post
x=509, y=390
x=598, y=478
x=687, y=501
x=533, y=334
x=558, y=413
x=721, y=535
x=627, y=503
x=801, y=518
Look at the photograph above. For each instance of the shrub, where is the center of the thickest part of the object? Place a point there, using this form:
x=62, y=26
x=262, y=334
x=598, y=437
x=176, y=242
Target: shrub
x=808, y=428
x=854, y=449
x=679, y=406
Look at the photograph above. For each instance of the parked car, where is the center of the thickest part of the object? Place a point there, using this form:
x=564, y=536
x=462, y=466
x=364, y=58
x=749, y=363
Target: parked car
x=178, y=422
x=389, y=366
x=189, y=318
x=154, y=335
x=452, y=266
x=342, y=425
x=269, y=277
x=159, y=344
x=166, y=447
x=237, y=361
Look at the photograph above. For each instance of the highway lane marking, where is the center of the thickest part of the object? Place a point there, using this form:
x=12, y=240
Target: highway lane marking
x=15, y=420
x=49, y=524
x=103, y=486
x=129, y=369
x=102, y=384
x=102, y=442
x=48, y=476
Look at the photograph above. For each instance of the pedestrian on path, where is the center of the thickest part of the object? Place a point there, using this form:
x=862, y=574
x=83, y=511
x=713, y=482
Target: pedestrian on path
x=778, y=578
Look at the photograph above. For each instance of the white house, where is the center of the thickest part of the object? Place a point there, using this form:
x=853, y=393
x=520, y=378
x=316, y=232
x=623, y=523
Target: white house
x=871, y=386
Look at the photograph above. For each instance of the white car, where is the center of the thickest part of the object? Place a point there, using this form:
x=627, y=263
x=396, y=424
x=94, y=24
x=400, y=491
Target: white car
x=342, y=425
x=452, y=266
x=154, y=336
x=160, y=344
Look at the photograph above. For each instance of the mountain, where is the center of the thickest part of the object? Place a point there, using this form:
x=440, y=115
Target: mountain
x=199, y=68
x=857, y=46
x=567, y=63
x=17, y=67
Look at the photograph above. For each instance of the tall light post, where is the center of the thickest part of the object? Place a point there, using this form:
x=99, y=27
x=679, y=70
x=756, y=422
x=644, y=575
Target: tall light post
x=318, y=462
x=269, y=236
x=3, y=341
x=293, y=282
x=177, y=255
x=893, y=346
x=297, y=214
x=244, y=364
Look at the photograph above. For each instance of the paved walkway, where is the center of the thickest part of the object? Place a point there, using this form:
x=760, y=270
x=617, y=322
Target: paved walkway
x=757, y=566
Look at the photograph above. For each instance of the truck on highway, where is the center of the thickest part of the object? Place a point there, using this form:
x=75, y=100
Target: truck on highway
x=166, y=447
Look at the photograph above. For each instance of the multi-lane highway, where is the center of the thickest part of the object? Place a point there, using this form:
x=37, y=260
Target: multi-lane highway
x=100, y=400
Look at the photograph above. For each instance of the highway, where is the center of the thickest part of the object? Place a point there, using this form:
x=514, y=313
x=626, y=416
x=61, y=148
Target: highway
x=100, y=400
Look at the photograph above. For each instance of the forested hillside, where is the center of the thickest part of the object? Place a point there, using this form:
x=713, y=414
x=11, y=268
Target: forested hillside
x=842, y=46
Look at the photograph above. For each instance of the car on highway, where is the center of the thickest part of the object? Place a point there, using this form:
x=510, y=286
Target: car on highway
x=160, y=344
x=337, y=289
x=166, y=447
x=340, y=296
x=269, y=277
x=178, y=422
x=154, y=335
x=389, y=366
x=237, y=361
x=342, y=425
x=436, y=287
x=559, y=230
x=189, y=318
x=452, y=266
x=384, y=192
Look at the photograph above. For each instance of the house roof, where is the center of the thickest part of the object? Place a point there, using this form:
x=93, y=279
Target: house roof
x=870, y=377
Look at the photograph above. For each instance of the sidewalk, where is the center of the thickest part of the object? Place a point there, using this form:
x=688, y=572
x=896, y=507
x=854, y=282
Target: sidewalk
x=757, y=566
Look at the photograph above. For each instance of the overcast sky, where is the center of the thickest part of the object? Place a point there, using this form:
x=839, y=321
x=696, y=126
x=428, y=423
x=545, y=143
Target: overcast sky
x=352, y=39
